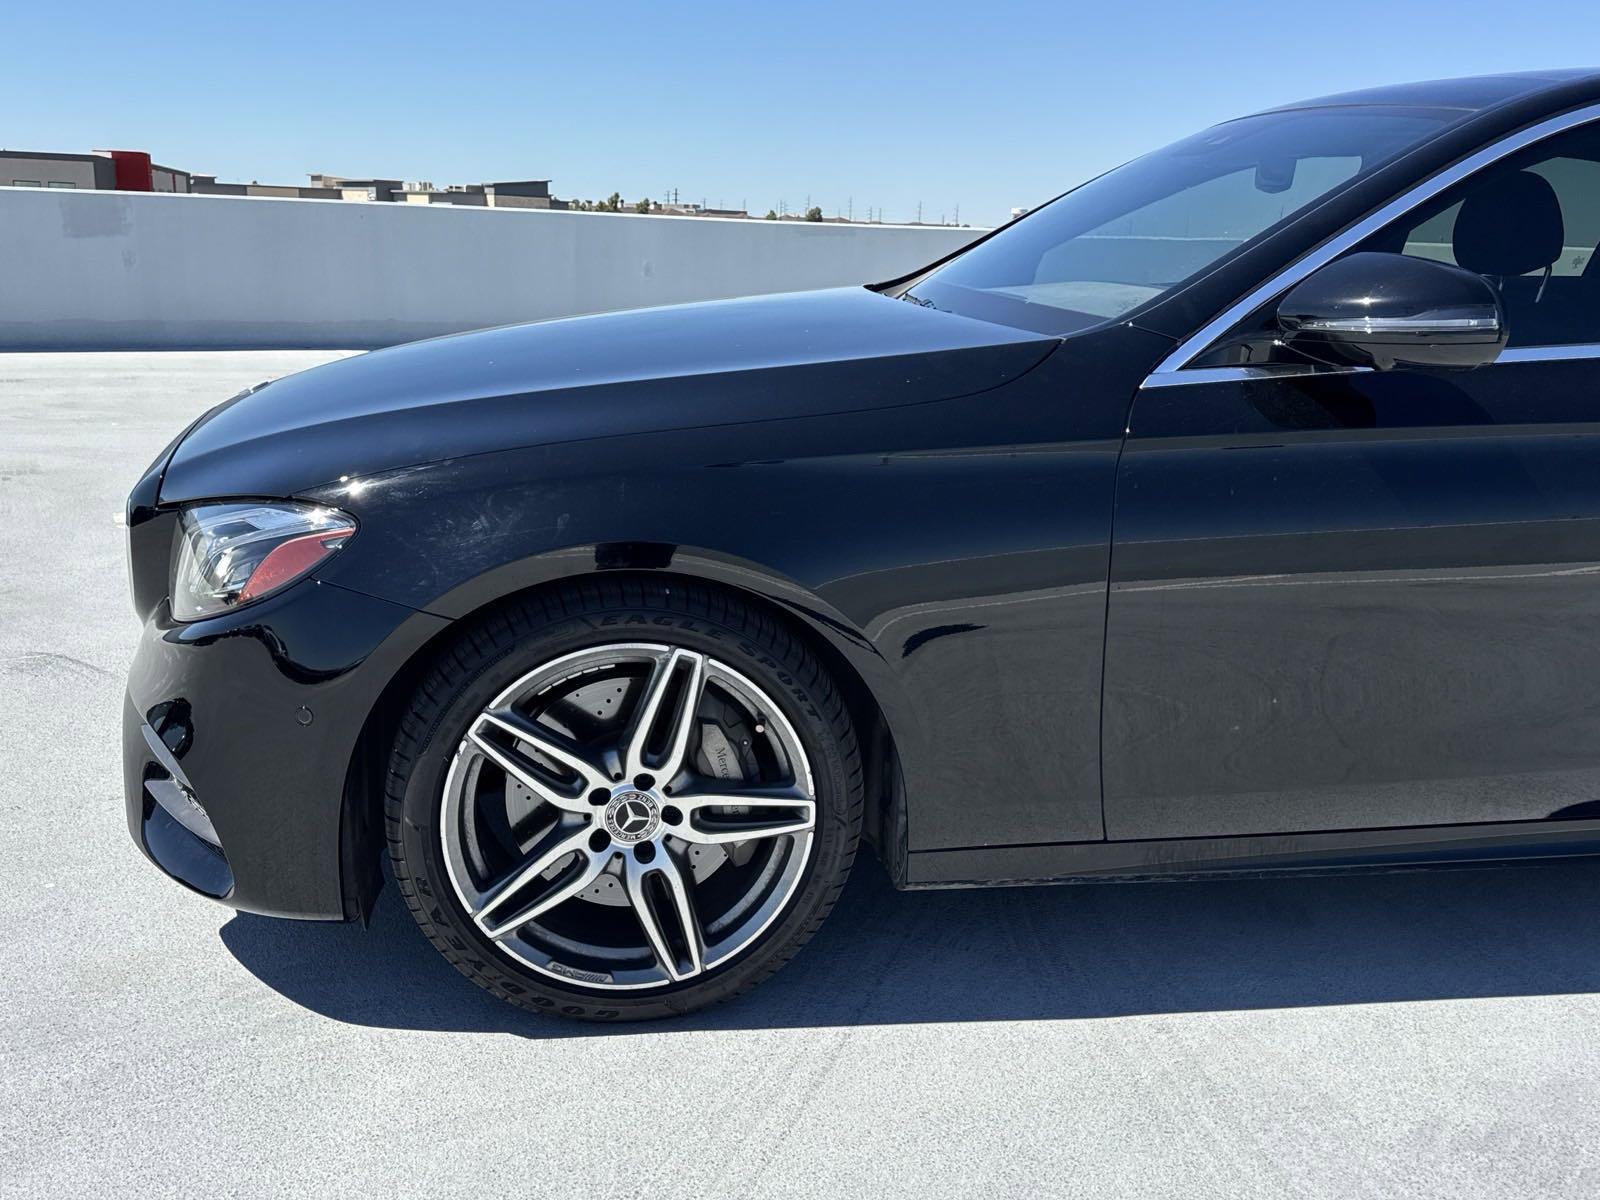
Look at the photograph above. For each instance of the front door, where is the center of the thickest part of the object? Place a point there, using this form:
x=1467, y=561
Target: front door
x=1358, y=600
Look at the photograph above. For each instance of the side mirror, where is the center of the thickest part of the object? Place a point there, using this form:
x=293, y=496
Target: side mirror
x=1390, y=310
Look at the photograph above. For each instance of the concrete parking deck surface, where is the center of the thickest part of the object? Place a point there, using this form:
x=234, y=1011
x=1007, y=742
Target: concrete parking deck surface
x=1433, y=1034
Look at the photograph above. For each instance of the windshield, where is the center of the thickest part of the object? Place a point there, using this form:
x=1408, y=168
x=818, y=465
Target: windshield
x=1143, y=229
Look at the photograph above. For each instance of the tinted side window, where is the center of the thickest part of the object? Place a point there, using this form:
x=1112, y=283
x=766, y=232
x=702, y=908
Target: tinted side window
x=1531, y=226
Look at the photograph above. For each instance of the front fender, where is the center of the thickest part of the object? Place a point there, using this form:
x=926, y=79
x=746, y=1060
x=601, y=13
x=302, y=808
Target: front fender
x=954, y=554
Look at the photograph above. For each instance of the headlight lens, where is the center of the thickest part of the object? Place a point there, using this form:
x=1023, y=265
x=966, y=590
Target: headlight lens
x=230, y=554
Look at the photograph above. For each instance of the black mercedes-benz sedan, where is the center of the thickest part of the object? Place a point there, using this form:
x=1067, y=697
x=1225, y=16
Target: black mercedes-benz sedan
x=1237, y=511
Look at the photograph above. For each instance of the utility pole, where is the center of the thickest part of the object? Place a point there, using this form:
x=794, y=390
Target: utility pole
x=852, y=209
x=919, y=212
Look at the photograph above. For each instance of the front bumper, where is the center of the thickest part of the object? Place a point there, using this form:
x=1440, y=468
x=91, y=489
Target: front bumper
x=253, y=719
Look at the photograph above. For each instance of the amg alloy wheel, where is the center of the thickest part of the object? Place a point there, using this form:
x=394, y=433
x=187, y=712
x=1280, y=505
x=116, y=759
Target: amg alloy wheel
x=691, y=816
x=634, y=825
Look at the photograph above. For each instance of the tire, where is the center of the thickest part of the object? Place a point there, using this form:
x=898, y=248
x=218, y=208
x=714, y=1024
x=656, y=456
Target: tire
x=482, y=757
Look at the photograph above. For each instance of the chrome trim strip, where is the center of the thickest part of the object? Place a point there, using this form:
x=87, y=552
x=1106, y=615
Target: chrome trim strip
x=1341, y=242
x=1550, y=353
x=1400, y=325
x=1241, y=374
x=1197, y=375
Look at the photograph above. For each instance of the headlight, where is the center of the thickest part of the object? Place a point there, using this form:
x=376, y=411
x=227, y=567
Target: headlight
x=231, y=554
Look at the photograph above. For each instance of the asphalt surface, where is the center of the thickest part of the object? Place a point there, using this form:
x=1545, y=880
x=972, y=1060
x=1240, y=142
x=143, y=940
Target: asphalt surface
x=1430, y=1034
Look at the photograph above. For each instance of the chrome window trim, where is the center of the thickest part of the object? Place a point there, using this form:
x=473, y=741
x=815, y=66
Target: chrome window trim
x=1242, y=374
x=1321, y=256
x=1577, y=352
x=1573, y=352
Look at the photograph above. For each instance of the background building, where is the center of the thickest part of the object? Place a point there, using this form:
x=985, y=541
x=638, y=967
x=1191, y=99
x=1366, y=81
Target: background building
x=208, y=185
x=515, y=193
x=359, y=189
x=103, y=170
x=132, y=170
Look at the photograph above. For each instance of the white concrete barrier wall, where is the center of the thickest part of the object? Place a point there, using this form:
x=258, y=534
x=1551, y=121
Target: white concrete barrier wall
x=123, y=270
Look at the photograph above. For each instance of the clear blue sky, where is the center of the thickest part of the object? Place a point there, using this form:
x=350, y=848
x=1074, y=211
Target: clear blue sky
x=981, y=105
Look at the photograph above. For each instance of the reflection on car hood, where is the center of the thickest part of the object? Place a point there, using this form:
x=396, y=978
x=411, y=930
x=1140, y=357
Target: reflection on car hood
x=688, y=366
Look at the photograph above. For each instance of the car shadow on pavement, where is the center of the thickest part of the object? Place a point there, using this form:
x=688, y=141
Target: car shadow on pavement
x=887, y=957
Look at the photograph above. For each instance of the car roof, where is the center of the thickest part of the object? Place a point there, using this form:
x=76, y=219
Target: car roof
x=1474, y=93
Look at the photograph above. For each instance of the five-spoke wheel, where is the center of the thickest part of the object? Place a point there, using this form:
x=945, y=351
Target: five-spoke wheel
x=593, y=767
x=627, y=817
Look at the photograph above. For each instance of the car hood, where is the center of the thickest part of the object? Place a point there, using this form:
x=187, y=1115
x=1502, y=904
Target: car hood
x=682, y=367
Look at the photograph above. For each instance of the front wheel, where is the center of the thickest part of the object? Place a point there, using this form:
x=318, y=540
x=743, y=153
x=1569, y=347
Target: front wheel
x=623, y=800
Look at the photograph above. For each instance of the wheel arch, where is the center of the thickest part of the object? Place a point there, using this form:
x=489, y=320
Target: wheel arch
x=870, y=692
